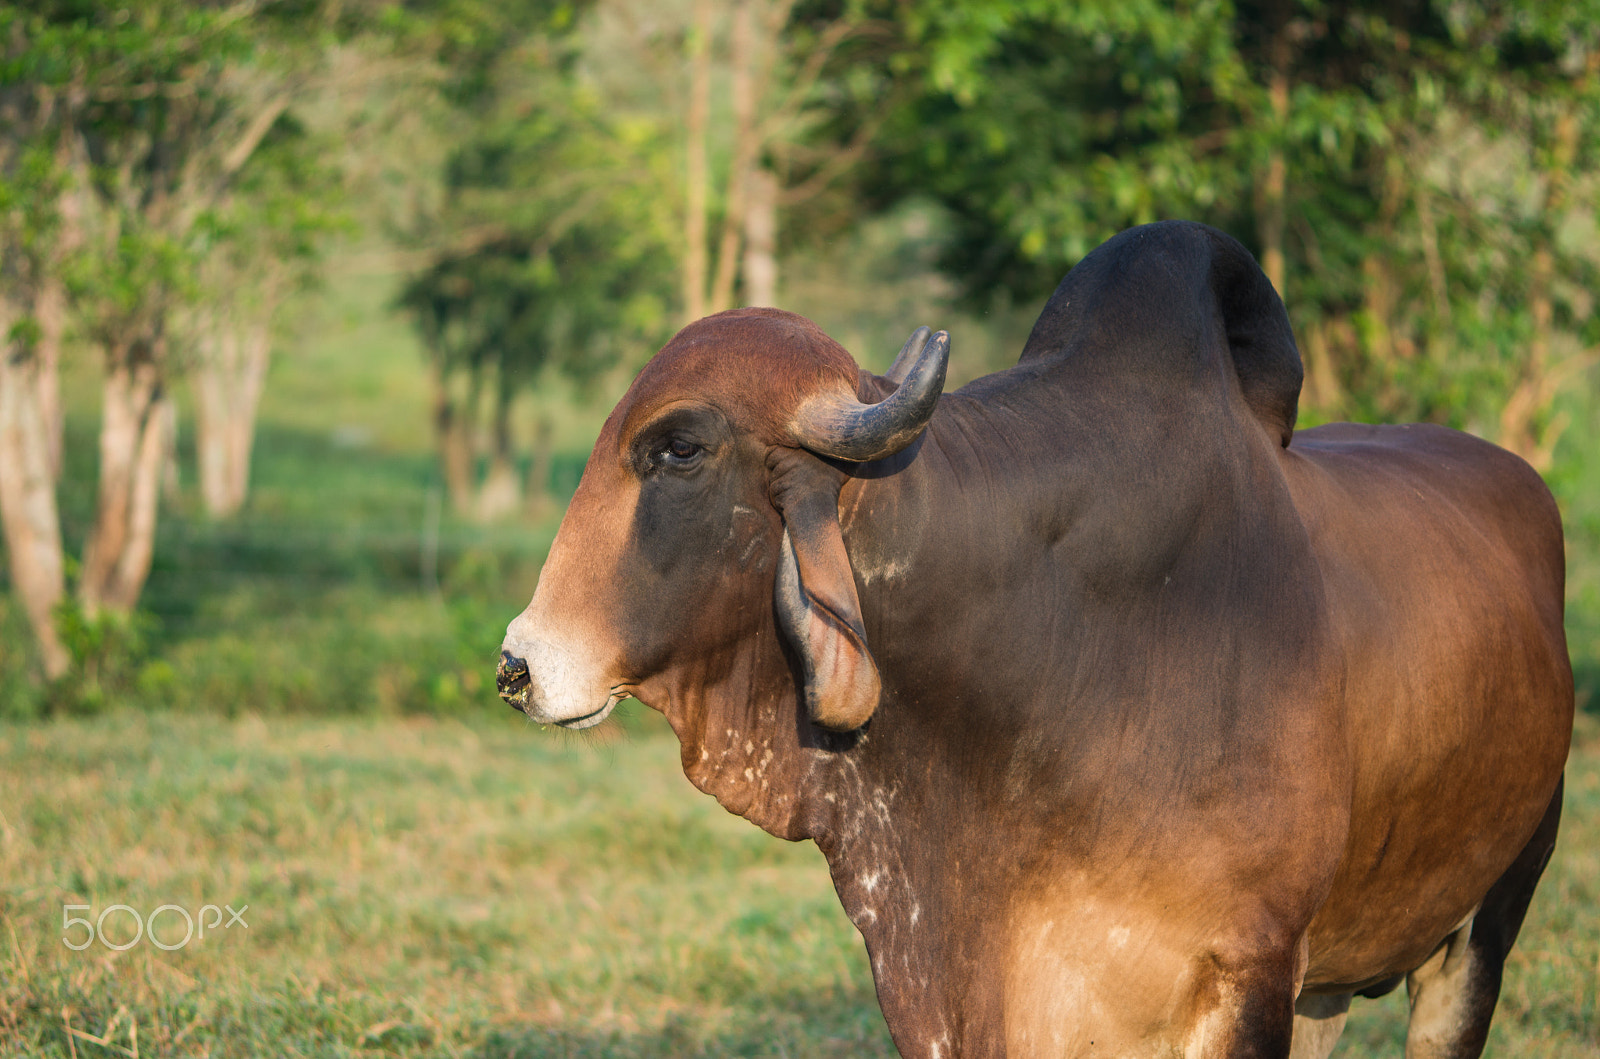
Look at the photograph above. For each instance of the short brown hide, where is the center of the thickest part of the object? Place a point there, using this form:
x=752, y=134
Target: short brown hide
x=1187, y=727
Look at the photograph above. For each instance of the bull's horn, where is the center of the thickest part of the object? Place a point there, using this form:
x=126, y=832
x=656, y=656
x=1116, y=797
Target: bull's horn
x=906, y=359
x=844, y=428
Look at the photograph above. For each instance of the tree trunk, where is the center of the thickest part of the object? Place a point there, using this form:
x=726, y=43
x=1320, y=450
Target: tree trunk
x=229, y=378
x=761, y=239
x=216, y=345
x=538, y=491
x=134, y=437
x=734, y=220
x=1270, y=208
x=257, y=342
x=1378, y=285
x=1538, y=382
x=154, y=456
x=28, y=504
x=501, y=493
x=698, y=178
x=1322, y=384
x=455, y=446
x=171, y=473
x=1438, y=285
x=50, y=310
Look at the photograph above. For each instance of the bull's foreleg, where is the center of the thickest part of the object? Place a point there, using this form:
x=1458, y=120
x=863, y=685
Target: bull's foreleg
x=1251, y=1017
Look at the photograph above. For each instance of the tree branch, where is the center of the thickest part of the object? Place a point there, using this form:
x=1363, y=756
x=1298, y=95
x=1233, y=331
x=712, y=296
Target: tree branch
x=253, y=134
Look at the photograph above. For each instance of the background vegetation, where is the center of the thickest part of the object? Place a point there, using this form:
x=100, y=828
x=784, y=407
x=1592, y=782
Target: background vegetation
x=311, y=312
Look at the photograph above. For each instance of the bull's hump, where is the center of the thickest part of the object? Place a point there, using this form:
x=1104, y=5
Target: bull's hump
x=1149, y=302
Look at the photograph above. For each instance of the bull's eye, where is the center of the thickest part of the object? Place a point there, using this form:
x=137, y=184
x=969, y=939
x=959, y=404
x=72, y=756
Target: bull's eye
x=678, y=451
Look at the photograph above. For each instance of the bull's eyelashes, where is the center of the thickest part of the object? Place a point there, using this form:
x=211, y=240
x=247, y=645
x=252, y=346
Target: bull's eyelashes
x=671, y=452
x=679, y=440
x=675, y=453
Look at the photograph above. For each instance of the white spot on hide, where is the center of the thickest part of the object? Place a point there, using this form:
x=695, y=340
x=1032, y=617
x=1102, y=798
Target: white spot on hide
x=892, y=570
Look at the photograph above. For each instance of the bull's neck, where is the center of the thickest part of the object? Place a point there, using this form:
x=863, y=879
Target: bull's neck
x=999, y=568
x=744, y=744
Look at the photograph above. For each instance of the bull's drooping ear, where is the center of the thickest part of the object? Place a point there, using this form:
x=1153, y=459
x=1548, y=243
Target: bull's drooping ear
x=815, y=595
x=821, y=617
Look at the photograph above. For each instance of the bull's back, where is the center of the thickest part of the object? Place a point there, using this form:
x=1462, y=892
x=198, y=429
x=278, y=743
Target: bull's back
x=1442, y=561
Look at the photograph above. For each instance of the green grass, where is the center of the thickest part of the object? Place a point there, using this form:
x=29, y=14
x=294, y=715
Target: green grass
x=483, y=888
x=415, y=887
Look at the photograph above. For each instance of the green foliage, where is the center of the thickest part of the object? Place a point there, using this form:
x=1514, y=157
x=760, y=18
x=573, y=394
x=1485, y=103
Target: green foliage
x=469, y=40
x=176, y=118
x=107, y=650
x=1046, y=127
x=1420, y=150
x=132, y=99
x=278, y=217
x=555, y=250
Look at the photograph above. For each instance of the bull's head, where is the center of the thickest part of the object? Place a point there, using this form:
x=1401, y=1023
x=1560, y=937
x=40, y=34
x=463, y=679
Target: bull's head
x=706, y=522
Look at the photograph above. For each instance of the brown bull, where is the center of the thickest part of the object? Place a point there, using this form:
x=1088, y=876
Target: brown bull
x=1128, y=726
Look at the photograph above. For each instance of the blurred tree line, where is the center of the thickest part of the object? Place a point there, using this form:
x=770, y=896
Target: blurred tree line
x=161, y=195
x=143, y=151
x=566, y=182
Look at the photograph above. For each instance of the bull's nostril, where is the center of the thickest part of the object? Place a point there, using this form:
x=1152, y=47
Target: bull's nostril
x=511, y=679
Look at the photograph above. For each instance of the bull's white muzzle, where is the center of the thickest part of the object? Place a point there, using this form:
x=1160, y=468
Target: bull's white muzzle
x=554, y=680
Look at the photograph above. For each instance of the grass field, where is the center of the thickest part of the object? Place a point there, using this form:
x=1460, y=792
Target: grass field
x=483, y=888
x=305, y=725
x=414, y=887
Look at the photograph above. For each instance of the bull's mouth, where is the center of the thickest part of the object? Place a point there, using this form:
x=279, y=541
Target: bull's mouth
x=589, y=720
